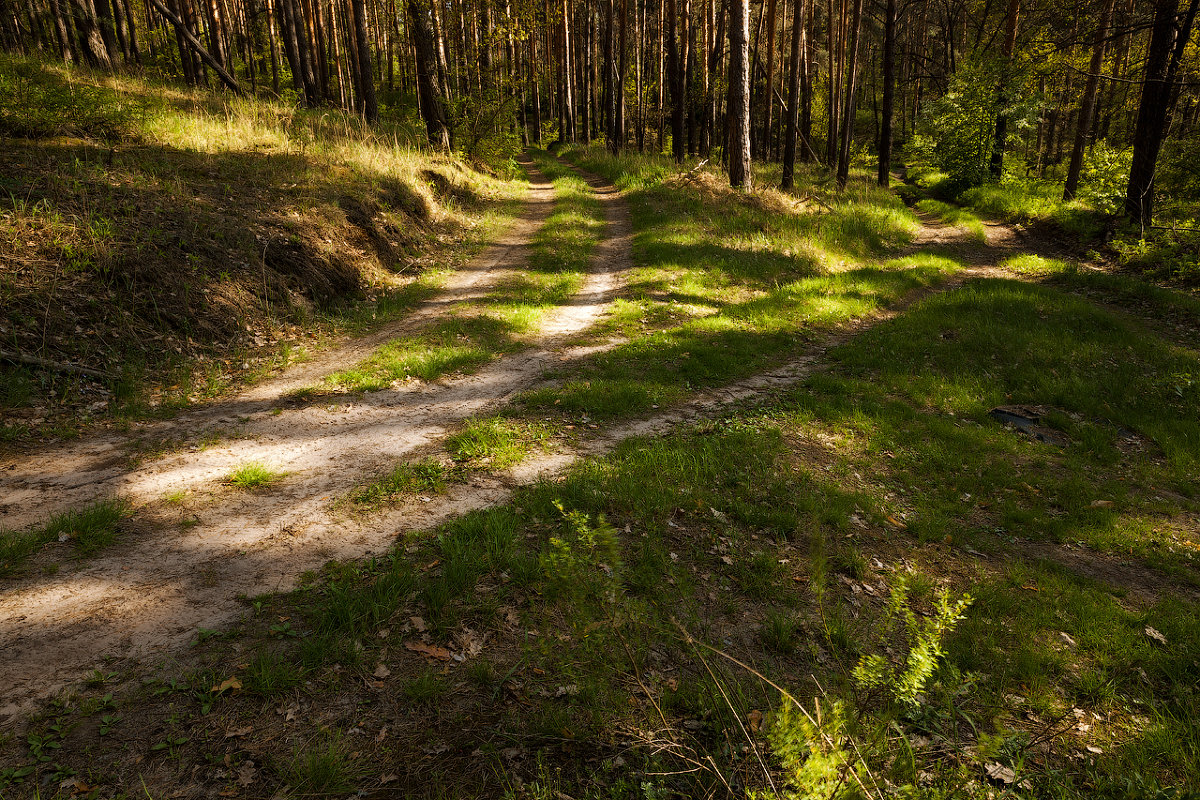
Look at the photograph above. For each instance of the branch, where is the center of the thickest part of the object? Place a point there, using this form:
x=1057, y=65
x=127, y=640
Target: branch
x=57, y=366
x=226, y=78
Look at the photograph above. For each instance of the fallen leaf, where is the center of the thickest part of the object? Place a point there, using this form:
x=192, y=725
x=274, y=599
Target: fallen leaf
x=1156, y=635
x=381, y=671
x=1095, y=750
x=379, y=737
x=1101, y=503
x=247, y=772
x=232, y=684
x=755, y=718
x=1066, y=637
x=430, y=650
x=999, y=772
x=418, y=624
x=236, y=732
x=391, y=777
x=896, y=522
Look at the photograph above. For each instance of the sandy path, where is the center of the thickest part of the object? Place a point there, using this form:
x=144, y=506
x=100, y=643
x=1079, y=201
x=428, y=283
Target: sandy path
x=152, y=591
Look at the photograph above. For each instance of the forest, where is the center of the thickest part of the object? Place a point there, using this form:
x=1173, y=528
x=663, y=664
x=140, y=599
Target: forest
x=1101, y=97
x=607, y=399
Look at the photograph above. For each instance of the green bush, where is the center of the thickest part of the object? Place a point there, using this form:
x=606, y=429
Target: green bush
x=37, y=102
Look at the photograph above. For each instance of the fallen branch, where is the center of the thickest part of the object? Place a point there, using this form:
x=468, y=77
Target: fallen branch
x=57, y=366
x=205, y=56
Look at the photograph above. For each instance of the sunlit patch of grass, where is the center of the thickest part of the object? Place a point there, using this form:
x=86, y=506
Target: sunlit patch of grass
x=254, y=475
x=662, y=367
x=1036, y=266
x=495, y=443
x=408, y=478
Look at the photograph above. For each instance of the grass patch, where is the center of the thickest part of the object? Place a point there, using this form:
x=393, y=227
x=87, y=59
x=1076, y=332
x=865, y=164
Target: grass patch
x=89, y=530
x=495, y=443
x=254, y=475
x=409, y=478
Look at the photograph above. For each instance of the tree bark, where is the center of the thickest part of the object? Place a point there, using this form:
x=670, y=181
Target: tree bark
x=428, y=84
x=843, y=170
x=996, y=167
x=1087, y=109
x=739, y=94
x=1168, y=37
x=367, y=75
x=793, y=109
x=889, y=92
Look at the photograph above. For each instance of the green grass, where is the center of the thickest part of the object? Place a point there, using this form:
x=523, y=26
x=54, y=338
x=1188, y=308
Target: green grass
x=89, y=530
x=409, y=478
x=254, y=475
x=495, y=443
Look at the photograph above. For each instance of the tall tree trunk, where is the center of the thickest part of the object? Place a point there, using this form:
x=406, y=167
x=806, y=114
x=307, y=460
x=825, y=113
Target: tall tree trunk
x=996, y=167
x=1168, y=38
x=367, y=89
x=91, y=43
x=675, y=80
x=61, y=32
x=765, y=147
x=429, y=86
x=843, y=170
x=889, y=91
x=793, y=108
x=739, y=94
x=1088, y=107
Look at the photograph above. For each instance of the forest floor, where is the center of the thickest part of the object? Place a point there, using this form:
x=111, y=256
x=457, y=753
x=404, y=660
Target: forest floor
x=455, y=557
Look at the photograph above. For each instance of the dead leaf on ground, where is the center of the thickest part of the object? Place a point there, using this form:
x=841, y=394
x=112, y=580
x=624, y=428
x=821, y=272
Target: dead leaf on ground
x=247, y=773
x=418, y=624
x=430, y=650
x=236, y=732
x=755, y=719
x=381, y=671
x=230, y=684
x=999, y=772
x=1156, y=635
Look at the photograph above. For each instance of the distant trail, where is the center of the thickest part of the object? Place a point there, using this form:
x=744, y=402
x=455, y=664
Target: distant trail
x=151, y=591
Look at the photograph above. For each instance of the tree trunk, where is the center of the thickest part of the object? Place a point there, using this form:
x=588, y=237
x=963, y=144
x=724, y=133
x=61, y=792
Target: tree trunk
x=225, y=77
x=765, y=146
x=843, y=170
x=367, y=76
x=996, y=167
x=739, y=94
x=91, y=43
x=889, y=91
x=1168, y=38
x=428, y=84
x=793, y=109
x=61, y=32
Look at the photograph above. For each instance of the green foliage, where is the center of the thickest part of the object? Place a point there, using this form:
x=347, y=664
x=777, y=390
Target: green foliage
x=959, y=128
x=922, y=636
x=581, y=551
x=253, y=476
x=413, y=477
x=36, y=103
x=813, y=751
x=1104, y=177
